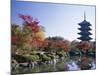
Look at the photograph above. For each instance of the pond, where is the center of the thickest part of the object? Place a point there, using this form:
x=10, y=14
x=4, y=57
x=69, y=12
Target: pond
x=72, y=64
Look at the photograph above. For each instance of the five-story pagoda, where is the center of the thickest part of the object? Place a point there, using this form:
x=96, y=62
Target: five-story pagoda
x=84, y=30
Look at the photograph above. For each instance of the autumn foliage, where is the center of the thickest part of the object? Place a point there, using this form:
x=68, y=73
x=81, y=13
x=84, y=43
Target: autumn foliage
x=37, y=31
x=32, y=36
x=86, y=46
x=56, y=44
x=28, y=20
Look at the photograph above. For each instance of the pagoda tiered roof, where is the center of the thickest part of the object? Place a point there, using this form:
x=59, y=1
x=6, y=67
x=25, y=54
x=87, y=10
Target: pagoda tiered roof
x=85, y=39
x=84, y=23
x=85, y=33
x=85, y=29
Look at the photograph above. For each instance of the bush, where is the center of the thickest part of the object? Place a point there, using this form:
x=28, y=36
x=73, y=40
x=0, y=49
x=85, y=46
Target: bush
x=26, y=58
x=61, y=54
x=32, y=57
x=45, y=58
x=20, y=58
x=51, y=56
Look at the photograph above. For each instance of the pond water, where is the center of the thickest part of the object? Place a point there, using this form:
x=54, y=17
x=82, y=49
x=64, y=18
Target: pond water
x=72, y=64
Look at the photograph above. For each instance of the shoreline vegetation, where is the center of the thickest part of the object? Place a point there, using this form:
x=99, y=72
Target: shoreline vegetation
x=30, y=48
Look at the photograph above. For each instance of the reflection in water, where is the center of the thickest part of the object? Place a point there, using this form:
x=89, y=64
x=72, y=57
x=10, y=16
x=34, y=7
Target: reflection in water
x=93, y=64
x=74, y=64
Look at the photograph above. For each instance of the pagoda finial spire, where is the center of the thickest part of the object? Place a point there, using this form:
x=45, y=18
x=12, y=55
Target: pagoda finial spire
x=84, y=16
